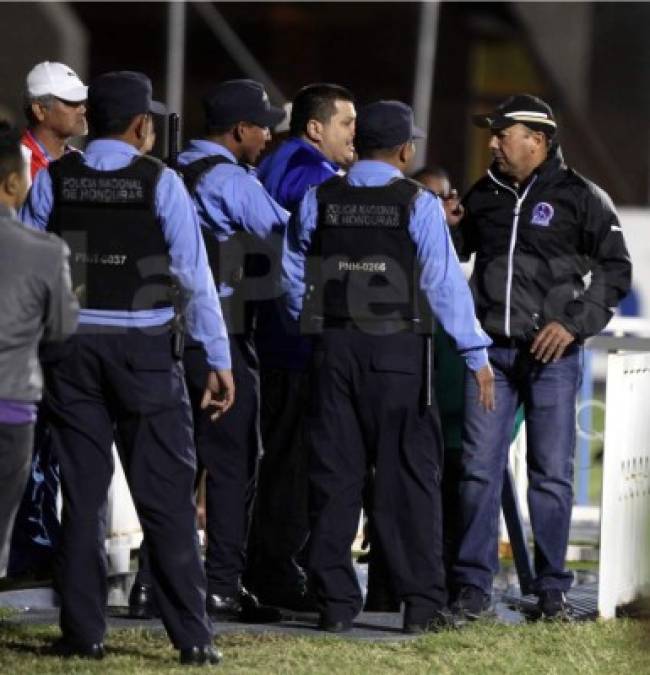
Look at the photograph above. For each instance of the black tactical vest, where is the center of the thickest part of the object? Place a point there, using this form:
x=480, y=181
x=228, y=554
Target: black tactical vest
x=230, y=260
x=362, y=265
x=118, y=256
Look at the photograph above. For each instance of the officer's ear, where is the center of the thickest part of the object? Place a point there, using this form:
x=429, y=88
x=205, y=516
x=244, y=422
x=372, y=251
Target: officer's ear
x=406, y=152
x=141, y=126
x=238, y=132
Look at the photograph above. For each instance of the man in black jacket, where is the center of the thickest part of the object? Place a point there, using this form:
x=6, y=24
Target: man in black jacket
x=539, y=231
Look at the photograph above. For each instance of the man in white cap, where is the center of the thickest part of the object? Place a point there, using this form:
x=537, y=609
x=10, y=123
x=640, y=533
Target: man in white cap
x=55, y=107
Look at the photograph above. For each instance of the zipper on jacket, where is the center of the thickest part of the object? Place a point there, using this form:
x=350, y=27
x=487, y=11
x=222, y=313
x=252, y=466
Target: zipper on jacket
x=513, y=239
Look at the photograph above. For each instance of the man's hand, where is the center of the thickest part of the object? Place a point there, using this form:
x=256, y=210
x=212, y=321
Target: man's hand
x=219, y=394
x=549, y=344
x=454, y=210
x=485, y=380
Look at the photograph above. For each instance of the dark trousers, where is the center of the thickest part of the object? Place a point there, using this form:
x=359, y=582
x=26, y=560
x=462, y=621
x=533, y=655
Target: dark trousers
x=548, y=393
x=367, y=408
x=281, y=522
x=229, y=450
x=15, y=454
x=127, y=380
x=37, y=528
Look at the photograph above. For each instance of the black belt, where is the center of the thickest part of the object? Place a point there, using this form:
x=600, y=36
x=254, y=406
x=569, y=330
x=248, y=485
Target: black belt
x=509, y=342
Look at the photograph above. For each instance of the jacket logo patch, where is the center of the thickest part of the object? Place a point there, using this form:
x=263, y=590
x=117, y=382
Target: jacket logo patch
x=542, y=214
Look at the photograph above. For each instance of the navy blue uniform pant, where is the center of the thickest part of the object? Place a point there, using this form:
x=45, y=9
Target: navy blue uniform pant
x=125, y=383
x=229, y=451
x=367, y=409
x=548, y=393
x=281, y=521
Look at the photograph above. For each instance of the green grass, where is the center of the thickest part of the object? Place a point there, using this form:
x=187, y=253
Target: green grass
x=619, y=646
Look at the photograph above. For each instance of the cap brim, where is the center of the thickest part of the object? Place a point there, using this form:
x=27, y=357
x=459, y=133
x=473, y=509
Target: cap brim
x=74, y=94
x=417, y=133
x=158, y=108
x=494, y=122
x=269, y=118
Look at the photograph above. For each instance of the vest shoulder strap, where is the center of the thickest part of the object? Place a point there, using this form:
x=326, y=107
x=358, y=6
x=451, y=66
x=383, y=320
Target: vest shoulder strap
x=194, y=171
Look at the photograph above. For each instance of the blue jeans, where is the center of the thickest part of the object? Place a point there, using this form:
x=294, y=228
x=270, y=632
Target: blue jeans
x=548, y=393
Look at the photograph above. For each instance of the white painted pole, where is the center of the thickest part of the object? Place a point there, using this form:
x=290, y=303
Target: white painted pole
x=424, y=74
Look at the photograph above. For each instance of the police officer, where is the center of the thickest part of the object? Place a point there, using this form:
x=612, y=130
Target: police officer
x=242, y=226
x=321, y=141
x=377, y=242
x=131, y=228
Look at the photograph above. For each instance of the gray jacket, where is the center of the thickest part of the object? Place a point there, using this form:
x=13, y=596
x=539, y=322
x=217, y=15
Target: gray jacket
x=36, y=301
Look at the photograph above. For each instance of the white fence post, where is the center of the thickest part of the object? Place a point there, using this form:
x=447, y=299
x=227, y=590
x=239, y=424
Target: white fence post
x=625, y=521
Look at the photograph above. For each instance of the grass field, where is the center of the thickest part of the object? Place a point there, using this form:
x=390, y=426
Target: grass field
x=621, y=646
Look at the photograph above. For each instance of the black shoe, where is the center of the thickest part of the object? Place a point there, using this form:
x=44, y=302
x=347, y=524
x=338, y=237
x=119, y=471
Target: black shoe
x=243, y=606
x=471, y=603
x=437, y=620
x=67, y=649
x=296, y=599
x=142, y=604
x=552, y=604
x=333, y=626
x=206, y=655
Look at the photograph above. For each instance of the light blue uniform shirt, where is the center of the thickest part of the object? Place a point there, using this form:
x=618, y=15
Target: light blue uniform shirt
x=441, y=279
x=188, y=259
x=229, y=198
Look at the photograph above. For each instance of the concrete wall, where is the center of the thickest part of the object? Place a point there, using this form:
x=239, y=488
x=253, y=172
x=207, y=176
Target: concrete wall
x=34, y=32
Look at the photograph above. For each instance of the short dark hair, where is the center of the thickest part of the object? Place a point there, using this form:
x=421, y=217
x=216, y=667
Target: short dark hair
x=316, y=102
x=11, y=156
x=430, y=172
x=372, y=153
x=101, y=126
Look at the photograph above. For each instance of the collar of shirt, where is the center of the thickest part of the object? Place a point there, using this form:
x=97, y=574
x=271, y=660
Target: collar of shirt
x=38, y=144
x=205, y=148
x=296, y=142
x=110, y=146
x=369, y=172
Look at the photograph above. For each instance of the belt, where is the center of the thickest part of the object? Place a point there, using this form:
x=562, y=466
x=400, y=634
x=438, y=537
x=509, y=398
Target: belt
x=509, y=342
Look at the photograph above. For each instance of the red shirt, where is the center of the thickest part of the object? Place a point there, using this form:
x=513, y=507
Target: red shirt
x=40, y=160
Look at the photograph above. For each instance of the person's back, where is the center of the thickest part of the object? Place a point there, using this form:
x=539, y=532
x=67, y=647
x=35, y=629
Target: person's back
x=33, y=270
x=321, y=141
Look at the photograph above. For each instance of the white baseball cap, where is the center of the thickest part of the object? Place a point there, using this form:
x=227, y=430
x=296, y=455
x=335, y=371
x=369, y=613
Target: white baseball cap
x=56, y=79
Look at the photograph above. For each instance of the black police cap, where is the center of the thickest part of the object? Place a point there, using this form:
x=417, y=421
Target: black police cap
x=122, y=94
x=520, y=109
x=236, y=101
x=385, y=124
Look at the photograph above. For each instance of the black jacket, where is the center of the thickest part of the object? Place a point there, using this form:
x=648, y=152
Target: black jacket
x=553, y=250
